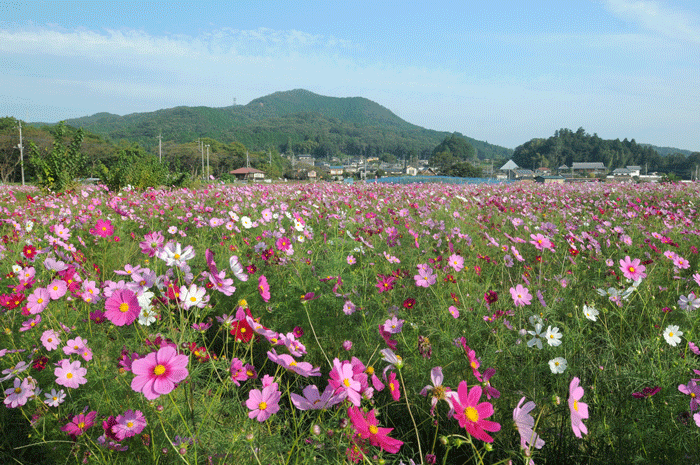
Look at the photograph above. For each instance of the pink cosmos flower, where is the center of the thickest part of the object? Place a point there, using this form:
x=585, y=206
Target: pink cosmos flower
x=103, y=228
x=50, y=340
x=263, y=404
x=264, y=288
x=579, y=410
x=541, y=242
x=344, y=382
x=393, y=325
x=632, y=269
x=521, y=295
x=70, y=374
x=454, y=311
x=158, y=372
x=57, y=289
x=75, y=346
x=472, y=415
x=238, y=371
x=122, y=307
x=129, y=424
x=437, y=390
x=80, y=423
x=366, y=427
x=38, y=300
x=456, y=262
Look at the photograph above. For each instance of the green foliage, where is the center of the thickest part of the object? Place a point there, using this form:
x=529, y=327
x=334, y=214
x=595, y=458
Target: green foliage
x=567, y=146
x=135, y=168
x=463, y=170
x=456, y=146
x=59, y=169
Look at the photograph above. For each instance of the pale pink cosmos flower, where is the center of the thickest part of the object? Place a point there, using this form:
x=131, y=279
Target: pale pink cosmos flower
x=313, y=400
x=38, y=300
x=50, y=340
x=579, y=410
x=129, y=424
x=57, y=289
x=19, y=393
x=456, y=262
x=525, y=423
x=521, y=295
x=70, y=374
x=263, y=404
x=158, y=372
x=75, y=346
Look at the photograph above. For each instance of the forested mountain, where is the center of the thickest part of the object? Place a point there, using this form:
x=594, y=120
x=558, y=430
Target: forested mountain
x=298, y=121
x=566, y=147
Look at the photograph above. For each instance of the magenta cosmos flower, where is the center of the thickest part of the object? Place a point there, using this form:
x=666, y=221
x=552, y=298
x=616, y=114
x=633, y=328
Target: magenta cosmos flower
x=158, y=372
x=129, y=424
x=521, y=295
x=103, y=228
x=632, y=269
x=122, y=307
x=80, y=423
x=472, y=415
x=579, y=410
x=367, y=428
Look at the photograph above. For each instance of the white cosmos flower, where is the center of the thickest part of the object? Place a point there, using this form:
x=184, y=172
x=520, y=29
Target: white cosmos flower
x=557, y=365
x=194, y=296
x=536, y=336
x=672, y=335
x=553, y=336
x=246, y=222
x=590, y=312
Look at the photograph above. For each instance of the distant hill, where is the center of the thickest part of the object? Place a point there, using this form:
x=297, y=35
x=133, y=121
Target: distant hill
x=665, y=151
x=297, y=120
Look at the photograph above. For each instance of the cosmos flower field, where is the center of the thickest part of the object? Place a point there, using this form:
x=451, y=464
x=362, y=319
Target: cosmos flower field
x=329, y=323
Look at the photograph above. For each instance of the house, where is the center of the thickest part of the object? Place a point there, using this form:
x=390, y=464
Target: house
x=336, y=172
x=554, y=179
x=312, y=175
x=588, y=168
x=248, y=173
x=523, y=174
x=411, y=170
x=428, y=172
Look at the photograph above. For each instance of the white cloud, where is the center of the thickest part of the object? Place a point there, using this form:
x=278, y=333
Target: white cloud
x=656, y=16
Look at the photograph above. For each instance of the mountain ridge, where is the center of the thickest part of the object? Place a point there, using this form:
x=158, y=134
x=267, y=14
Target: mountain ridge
x=351, y=125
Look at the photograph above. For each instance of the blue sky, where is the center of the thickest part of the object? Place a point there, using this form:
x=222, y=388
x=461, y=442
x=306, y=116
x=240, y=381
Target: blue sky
x=500, y=71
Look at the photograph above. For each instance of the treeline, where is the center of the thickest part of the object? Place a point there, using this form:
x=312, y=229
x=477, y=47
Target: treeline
x=566, y=147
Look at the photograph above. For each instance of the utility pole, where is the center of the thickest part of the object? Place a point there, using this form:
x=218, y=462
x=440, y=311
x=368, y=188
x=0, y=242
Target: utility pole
x=207, y=162
x=21, y=152
x=247, y=160
x=269, y=153
x=160, y=148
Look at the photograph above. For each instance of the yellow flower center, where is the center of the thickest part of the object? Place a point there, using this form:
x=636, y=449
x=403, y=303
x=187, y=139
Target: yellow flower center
x=391, y=386
x=193, y=299
x=81, y=425
x=69, y=375
x=176, y=256
x=40, y=300
x=471, y=414
x=159, y=370
x=123, y=307
x=18, y=390
x=670, y=334
x=346, y=382
x=373, y=429
x=262, y=405
x=576, y=405
x=293, y=363
x=129, y=424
